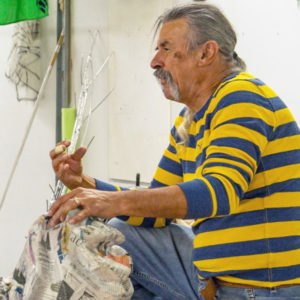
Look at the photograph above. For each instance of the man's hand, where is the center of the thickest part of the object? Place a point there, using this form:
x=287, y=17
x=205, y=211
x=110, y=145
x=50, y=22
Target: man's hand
x=91, y=202
x=68, y=168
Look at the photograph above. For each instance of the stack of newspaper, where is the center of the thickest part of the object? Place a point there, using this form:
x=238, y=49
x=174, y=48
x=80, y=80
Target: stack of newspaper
x=70, y=262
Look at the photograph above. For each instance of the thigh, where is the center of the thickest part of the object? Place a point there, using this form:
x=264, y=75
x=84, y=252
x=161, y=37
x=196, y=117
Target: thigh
x=162, y=259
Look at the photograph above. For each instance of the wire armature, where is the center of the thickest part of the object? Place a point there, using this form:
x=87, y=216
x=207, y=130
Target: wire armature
x=24, y=60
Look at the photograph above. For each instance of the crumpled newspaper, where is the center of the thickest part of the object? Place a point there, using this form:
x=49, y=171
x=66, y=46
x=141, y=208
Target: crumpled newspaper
x=70, y=262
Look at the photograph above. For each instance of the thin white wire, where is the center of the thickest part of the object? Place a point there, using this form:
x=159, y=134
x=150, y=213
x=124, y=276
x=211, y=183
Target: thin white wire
x=103, y=65
x=36, y=105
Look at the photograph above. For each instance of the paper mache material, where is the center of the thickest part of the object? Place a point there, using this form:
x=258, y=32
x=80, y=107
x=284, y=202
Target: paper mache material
x=70, y=262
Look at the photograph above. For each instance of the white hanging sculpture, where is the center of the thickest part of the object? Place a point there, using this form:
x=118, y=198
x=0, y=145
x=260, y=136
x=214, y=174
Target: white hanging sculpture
x=24, y=60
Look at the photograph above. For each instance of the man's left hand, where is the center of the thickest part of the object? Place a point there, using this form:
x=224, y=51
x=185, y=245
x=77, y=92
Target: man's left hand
x=90, y=203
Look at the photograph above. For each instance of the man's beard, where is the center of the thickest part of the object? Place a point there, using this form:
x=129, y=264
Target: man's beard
x=160, y=75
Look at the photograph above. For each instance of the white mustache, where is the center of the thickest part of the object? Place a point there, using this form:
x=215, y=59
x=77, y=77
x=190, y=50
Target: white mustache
x=161, y=74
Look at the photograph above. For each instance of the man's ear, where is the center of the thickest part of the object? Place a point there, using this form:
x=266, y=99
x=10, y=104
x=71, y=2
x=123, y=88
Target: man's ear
x=207, y=52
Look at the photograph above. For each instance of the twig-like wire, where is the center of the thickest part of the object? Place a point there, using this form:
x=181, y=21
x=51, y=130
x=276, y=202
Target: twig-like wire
x=60, y=188
x=90, y=142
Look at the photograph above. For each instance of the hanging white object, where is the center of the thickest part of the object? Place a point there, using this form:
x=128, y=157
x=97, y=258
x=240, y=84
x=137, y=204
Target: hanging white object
x=24, y=60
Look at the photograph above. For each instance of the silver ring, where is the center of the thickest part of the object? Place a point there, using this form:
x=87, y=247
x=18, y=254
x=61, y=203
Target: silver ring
x=77, y=201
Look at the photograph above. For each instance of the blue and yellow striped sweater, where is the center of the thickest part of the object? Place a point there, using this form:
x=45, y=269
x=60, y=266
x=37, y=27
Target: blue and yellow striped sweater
x=240, y=173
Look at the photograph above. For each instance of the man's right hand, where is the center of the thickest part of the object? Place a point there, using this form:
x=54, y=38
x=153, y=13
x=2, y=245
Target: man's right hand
x=68, y=167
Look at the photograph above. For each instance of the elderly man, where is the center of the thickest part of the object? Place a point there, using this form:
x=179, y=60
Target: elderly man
x=232, y=164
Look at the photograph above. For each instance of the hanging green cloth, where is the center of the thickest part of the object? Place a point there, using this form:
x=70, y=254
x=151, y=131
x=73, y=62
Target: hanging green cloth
x=12, y=11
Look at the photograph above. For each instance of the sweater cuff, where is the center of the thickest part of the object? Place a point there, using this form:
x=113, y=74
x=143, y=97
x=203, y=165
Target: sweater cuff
x=199, y=201
x=103, y=186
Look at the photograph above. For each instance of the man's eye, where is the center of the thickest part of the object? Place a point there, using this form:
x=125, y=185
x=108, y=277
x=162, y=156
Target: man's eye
x=166, y=49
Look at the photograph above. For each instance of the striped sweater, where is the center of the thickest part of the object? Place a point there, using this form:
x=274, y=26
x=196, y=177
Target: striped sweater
x=240, y=173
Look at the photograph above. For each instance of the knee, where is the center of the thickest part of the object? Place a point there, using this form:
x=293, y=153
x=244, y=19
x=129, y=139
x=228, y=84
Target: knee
x=118, y=224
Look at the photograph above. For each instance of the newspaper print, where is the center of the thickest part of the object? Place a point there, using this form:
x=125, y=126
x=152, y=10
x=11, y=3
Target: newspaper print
x=70, y=262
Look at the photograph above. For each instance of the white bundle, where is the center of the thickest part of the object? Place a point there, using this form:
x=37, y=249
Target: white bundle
x=71, y=262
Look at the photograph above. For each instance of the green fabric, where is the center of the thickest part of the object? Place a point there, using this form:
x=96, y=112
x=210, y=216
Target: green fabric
x=68, y=121
x=12, y=11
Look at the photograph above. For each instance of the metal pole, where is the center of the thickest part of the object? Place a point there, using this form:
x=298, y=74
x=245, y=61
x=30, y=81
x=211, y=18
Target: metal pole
x=63, y=66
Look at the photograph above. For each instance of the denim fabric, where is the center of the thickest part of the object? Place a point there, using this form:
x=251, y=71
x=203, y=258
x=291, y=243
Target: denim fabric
x=162, y=262
x=228, y=293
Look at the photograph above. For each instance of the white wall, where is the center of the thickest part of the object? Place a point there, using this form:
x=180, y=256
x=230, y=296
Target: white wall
x=26, y=198
x=139, y=115
x=268, y=32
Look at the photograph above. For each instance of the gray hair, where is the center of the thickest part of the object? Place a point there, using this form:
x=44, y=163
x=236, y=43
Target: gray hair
x=206, y=22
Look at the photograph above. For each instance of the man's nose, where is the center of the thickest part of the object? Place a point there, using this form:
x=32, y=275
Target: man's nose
x=157, y=62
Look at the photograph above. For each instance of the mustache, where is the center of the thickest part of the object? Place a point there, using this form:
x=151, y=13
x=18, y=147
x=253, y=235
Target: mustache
x=161, y=74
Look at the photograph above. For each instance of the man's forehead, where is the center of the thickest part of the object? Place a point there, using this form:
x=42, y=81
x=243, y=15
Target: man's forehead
x=172, y=31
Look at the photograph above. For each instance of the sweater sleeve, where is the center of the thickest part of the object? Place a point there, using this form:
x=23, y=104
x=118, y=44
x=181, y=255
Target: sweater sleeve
x=168, y=172
x=104, y=186
x=240, y=127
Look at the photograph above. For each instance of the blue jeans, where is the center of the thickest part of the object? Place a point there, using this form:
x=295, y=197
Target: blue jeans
x=162, y=262
x=163, y=268
x=288, y=293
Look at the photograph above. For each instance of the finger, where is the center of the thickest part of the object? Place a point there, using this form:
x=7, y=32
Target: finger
x=60, y=147
x=73, y=166
x=52, y=152
x=79, y=153
x=60, y=201
x=62, y=211
x=60, y=159
x=71, y=204
x=80, y=216
x=61, y=170
x=57, y=150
